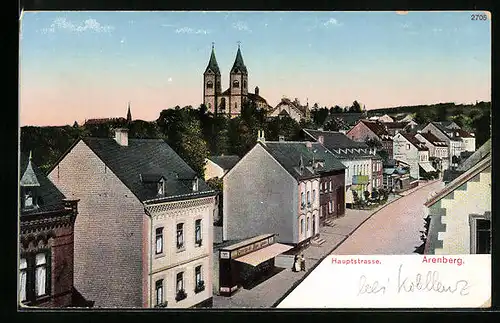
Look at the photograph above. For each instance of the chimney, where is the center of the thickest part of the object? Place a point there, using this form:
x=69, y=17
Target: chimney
x=260, y=136
x=281, y=138
x=308, y=144
x=121, y=136
x=321, y=139
x=256, y=90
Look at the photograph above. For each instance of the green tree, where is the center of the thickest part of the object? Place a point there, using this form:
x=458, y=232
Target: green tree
x=319, y=116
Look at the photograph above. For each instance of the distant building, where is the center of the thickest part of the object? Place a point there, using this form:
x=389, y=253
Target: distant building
x=293, y=109
x=144, y=234
x=276, y=188
x=410, y=150
x=46, y=242
x=457, y=139
x=347, y=118
x=396, y=176
x=438, y=150
x=361, y=161
x=384, y=118
x=230, y=101
x=218, y=166
x=460, y=214
x=375, y=130
x=99, y=121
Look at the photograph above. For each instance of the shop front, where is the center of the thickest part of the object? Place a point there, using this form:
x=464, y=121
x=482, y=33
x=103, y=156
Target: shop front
x=247, y=262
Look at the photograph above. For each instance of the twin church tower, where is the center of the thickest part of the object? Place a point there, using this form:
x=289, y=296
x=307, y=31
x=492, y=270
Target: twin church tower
x=228, y=102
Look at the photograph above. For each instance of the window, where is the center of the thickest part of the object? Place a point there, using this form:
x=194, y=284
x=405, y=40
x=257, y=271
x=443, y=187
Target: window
x=330, y=207
x=28, y=198
x=199, y=283
x=180, y=282
x=307, y=224
x=303, y=201
x=159, y=241
x=161, y=186
x=218, y=84
x=244, y=84
x=210, y=85
x=197, y=231
x=159, y=292
x=330, y=186
x=41, y=274
x=314, y=195
x=195, y=185
x=308, y=197
x=302, y=226
x=23, y=279
x=197, y=275
x=180, y=235
x=483, y=236
x=236, y=84
x=407, y=146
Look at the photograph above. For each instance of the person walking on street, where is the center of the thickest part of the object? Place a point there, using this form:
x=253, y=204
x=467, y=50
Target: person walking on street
x=296, y=266
x=302, y=263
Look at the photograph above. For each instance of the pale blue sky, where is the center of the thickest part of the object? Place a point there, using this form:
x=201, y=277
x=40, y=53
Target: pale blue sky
x=78, y=65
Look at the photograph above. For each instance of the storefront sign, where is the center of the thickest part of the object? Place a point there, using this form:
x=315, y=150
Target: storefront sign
x=253, y=247
x=224, y=254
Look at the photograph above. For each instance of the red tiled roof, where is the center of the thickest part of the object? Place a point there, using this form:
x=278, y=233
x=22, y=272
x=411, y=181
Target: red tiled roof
x=377, y=127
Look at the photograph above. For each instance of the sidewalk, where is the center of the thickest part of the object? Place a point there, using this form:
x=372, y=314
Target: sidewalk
x=269, y=292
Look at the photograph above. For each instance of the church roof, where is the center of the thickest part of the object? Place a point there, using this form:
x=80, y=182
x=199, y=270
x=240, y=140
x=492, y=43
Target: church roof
x=239, y=65
x=212, y=63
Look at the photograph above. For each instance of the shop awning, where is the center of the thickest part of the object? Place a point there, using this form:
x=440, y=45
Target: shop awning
x=257, y=257
x=427, y=167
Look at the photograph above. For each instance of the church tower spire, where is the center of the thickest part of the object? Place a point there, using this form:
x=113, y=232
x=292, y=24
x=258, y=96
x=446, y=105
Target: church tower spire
x=212, y=88
x=129, y=115
x=238, y=83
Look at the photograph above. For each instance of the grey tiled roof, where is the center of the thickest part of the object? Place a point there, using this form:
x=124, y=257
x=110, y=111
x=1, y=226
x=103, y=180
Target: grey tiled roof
x=150, y=157
x=49, y=197
x=239, y=65
x=226, y=162
x=289, y=154
x=335, y=140
x=212, y=64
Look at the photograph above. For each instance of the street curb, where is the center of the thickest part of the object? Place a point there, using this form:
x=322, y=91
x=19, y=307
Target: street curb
x=333, y=249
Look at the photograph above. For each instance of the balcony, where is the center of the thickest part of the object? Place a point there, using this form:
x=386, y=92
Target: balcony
x=360, y=179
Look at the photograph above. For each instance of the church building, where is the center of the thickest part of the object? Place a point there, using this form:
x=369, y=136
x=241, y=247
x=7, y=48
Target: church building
x=229, y=102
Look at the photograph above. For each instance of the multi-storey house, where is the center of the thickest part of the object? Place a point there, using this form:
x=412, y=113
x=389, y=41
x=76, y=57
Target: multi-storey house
x=356, y=156
x=457, y=139
x=46, y=221
x=438, y=150
x=411, y=151
x=290, y=108
x=144, y=234
x=375, y=130
x=275, y=188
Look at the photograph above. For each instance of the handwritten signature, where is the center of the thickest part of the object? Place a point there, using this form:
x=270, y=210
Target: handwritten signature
x=408, y=284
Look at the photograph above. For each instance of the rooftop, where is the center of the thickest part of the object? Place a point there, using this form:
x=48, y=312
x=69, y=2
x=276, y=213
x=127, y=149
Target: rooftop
x=225, y=162
x=291, y=154
x=49, y=198
x=150, y=158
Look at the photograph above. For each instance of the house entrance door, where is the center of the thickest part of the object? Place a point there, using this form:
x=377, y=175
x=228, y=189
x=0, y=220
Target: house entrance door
x=340, y=200
x=314, y=225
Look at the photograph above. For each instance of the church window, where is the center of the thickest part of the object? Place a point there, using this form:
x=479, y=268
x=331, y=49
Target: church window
x=218, y=84
x=236, y=106
x=210, y=85
x=244, y=84
x=236, y=84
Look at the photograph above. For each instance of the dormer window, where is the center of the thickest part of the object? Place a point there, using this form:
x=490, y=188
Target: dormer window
x=29, y=201
x=195, y=184
x=161, y=187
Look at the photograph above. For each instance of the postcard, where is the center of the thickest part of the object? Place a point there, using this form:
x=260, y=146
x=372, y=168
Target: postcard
x=206, y=159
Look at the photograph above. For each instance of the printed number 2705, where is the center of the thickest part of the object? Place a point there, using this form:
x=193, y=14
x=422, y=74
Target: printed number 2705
x=478, y=17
